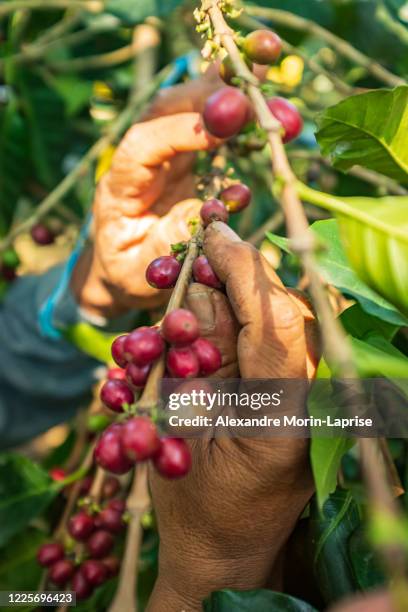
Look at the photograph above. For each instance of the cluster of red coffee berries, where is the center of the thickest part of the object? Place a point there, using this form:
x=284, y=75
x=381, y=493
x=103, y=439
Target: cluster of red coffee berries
x=97, y=532
x=229, y=110
x=163, y=272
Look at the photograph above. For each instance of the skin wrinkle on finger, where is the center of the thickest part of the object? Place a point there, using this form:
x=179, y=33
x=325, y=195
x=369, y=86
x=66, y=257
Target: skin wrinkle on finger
x=252, y=286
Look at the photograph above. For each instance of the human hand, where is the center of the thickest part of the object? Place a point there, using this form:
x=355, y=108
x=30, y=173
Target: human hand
x=226, y=524
x=144, y=202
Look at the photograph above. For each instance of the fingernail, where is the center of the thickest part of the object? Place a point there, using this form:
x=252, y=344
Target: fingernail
x=201, y=304
x=217, y=227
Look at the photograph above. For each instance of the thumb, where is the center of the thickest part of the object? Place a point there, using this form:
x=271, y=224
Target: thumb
x=248, y=278
x=217, y=324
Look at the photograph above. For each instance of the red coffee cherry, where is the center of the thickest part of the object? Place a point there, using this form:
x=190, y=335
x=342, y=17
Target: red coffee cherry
x=41, y=234
x=111, y=519
x=208, y=355
x=139, y=439
x=81, y=526
x=174, y=458
x=48, y=554
x=112, y=564
x=203, y=273
x=95, y=572
x=213, y=210
x=80, y=585
x=86, y=484
x=118, y=504
x=58, y=474
x=180, y=327
x=289, y=117
x=182, y=362
x=109, y=452
x=116, y=393
x=163, y=272
x=262, y=46
x=226, y=112
x=110, y=487
x=61, y=571
x=116, y=374
x=236, y=197
x=100, y=543
x=144, y=345
x=137, y=375
x=118, y=350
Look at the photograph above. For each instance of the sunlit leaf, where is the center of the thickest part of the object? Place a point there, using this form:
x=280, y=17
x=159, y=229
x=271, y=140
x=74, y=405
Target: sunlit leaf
x=336, y=270
x=369, y=129
x=374, y=233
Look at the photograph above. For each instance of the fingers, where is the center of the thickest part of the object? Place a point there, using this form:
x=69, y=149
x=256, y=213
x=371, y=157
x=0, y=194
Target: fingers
x=128, y=251
x=272, y=342
x=217, y=324
x=140, y=160
x=244, y=272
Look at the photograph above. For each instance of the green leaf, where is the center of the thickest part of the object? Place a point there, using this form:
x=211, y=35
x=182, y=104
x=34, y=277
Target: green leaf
x=374, y=233
x=331, y=529
x=25, y=491
x=366, y=567
x=74, y=91
x=14, y=161
x=377, y=357
x=336, y=270
x=280, y=241
x=360, y=324
x=325, y=456
x=326, y=453
x=19, y=570
x=46, y=127
x=369, y=129
x=132, y=12
x=260, y=600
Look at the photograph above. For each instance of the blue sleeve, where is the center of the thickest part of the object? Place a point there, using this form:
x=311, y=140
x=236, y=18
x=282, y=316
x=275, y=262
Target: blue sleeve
x=42, y=381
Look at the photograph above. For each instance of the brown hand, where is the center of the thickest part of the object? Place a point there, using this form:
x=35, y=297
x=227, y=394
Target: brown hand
x=225, y=525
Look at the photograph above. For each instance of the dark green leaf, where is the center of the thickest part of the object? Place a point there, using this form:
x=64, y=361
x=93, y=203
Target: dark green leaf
x=365, y=564
x=360, y=324
x=14, y=161
x=74, y=91
x=25, y=491
x=132, y=12
x=260, y=600
x=369, y=129
x=45, y=111
x=19, y=570
x=331, y=529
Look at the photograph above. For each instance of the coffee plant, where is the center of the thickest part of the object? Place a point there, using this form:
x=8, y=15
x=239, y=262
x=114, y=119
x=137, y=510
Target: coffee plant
x=311, y=114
